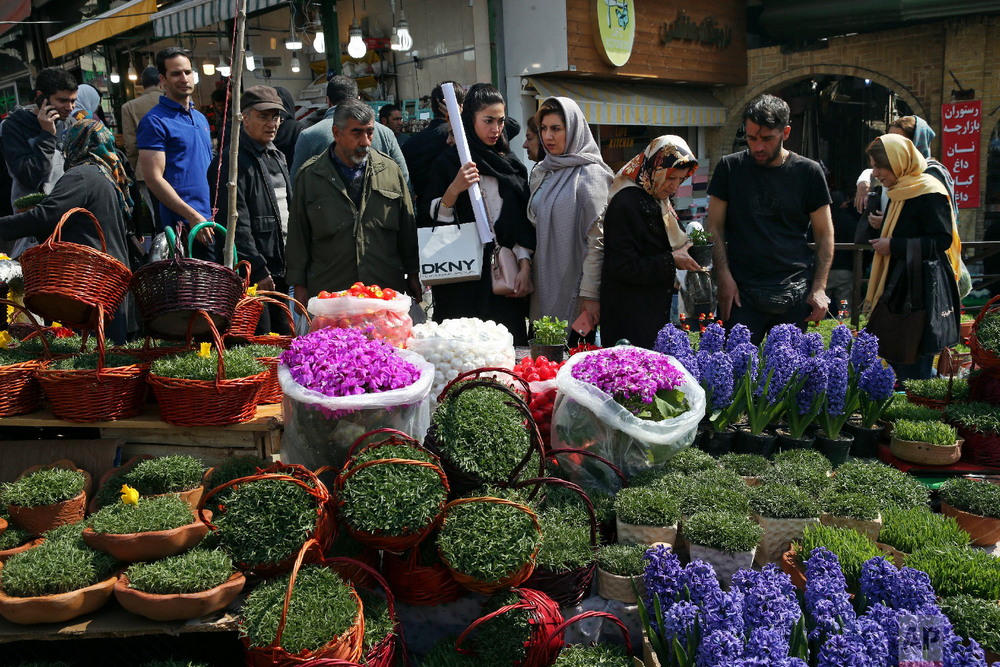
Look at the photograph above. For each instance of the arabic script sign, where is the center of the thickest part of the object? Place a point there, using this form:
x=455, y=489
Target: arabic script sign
x=614, y=31
x=960, y=133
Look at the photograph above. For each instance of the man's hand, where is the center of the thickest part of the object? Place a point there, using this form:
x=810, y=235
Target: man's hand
x=728, y=294
x=881, y=246
x=820, y=304
x=414, y=288
x=302, y=296
x=47, y=117
x=861, y=197
x=266, y=284
x=593, y=308
x=205, y=235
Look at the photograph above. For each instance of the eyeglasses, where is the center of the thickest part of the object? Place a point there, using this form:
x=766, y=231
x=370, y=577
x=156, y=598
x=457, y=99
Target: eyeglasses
x=268, y=120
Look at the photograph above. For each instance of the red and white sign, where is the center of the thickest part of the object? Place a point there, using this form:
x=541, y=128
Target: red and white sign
x=960, y=133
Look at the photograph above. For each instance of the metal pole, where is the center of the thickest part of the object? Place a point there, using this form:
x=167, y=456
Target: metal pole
x=331, y=31
x=235, y=85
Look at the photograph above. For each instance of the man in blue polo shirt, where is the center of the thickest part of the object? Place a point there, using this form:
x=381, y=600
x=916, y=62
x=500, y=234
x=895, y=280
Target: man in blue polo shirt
x=175, y=149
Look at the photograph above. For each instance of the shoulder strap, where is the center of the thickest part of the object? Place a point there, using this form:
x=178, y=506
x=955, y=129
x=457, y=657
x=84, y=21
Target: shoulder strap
x=914, y=270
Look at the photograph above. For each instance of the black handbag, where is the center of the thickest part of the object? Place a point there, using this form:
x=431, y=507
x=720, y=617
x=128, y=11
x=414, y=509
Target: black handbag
x=899, y=317
x=942, y=303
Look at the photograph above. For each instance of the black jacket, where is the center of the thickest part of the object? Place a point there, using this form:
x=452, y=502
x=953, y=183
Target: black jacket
x=30, y=153
x=258, y=223
x=420, y=151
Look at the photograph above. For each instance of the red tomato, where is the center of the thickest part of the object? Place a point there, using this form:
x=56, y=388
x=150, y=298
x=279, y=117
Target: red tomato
x=324, y=295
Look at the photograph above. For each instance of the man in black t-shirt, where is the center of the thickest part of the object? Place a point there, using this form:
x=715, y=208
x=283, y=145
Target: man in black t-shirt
x=762, y=203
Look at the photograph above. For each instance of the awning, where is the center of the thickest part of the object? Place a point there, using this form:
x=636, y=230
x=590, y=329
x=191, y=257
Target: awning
x=195, y=14
x=625, y=104
x=13, y=13
x=133, y=14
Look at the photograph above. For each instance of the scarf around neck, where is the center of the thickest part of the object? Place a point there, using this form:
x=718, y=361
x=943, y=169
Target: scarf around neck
x=88, y=141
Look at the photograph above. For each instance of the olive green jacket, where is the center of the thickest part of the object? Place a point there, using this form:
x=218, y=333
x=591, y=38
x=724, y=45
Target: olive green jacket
x=332, y=244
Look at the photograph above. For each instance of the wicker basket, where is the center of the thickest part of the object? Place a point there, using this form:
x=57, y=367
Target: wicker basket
x=555, y=635
x=20, y=392
x=206, y=402
x=925, y=453
x=980, y=448
x=546, y=635
x=271, y=391
x=246, y=316
x=419, y=584
x=68, y=281
x=103, y=394
x=982, y=356
x=283, y=340
x=609, y=529
x=502, y=376
x=390, y=648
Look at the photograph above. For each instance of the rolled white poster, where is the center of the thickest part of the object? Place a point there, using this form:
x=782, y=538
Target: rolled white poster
x=464, y=156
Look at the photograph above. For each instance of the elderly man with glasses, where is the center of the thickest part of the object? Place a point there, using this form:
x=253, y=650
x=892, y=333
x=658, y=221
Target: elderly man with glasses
x=262, y=197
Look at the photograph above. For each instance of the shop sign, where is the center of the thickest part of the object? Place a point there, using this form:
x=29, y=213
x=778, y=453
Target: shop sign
x=961, y=123
x=614, y=30
x=8, y=98
x=707, y=32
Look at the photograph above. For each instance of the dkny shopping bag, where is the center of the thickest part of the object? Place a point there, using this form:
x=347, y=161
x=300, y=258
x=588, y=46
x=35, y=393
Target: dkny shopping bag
x=450, y=254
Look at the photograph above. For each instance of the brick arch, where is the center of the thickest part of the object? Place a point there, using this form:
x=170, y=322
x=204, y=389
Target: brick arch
x=795, y=74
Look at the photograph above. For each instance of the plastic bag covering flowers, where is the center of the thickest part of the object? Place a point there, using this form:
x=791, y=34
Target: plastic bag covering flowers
x=345, y=362
x=635, y=378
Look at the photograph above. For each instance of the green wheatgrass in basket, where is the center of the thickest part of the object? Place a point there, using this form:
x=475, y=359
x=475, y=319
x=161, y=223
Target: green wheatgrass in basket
x=14, y=537
x=165, y=474
x=391, y=498
x=598, y=655
x=706, y=498
x=907, y=530
x=730, y=532
x=502, y=639
x=745, y=465
x=148, y=515
x=604, y=503
x=480, y=433
x=61, y=564
x=806, y=458
x=858, y=506
x=9, y=357
x=901, y=408
x=70, y=345
x=259, y=351
x=192, y=366
x=938, y=388
x=88, y=362
x=378, y=622
x=958, y=570
x=266, y=521
x=565, y=543
x=487, y=540
x=851, y=547
x=443, y=654
x=689, y=460
x=647, y=506
x=783, y=501
x=235, y=467
x=974, y=619
x=889, y=486
x=988, y=332
x=322, y=609
x=193, y=571
x=972, y=496
x=623, y=560
x=802, y=474
x=933, y=433
x=43, y=487
x=980, y=417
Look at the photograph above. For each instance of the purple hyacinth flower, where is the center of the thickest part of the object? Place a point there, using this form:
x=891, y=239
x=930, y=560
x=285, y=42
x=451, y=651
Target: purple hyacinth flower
x=738, y=335
x=840, y=338
x=864, y=351
x=713, y=339
x=877, y=382
x=673, y=341
x=836, y=384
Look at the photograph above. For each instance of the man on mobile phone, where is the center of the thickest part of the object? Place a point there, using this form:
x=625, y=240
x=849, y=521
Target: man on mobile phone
x=30, y=137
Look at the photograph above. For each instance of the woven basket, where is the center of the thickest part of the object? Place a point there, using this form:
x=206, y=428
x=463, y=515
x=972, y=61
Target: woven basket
x=934, y=403
x=20, y=392
x=347, y=646
x=555, y=636
x=150, y=353
x=283, y=340
x=567, y=587
x=246, y=316
x=982, y=356
x=103, y=394
x=168, y=293
x=925, y=453
x=980, y=448
x=385, y=652
x=323, y=533
x=271, y=390
x=512, y=579
x=419, y=584
x=502, y=376
x=206, y=402
x=68, y=281
x=545, y=626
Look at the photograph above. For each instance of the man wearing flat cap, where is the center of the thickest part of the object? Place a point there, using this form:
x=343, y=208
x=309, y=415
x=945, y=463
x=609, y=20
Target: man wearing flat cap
x=262, y=192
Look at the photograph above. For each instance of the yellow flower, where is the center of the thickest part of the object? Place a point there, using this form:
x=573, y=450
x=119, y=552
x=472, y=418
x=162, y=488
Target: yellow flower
x=3, y=256
x=271, y=333
x=6, y=340
x=56, y=325
x=252, y=290
x=206, y=350
x=130, y=496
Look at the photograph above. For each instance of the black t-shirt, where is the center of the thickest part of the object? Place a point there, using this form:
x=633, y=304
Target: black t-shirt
x=767, y=217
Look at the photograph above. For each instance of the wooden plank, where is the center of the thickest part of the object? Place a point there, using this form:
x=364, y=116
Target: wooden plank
x=94, y=456
x=210, y=456
x=268, y=418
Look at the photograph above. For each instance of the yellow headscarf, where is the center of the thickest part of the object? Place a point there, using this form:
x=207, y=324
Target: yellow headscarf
x=908, y=165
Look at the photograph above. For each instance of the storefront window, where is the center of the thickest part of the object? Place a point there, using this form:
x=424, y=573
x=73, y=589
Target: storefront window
x=620, y=143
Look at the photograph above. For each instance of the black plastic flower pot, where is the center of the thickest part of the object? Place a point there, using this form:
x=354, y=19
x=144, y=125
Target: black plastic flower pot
x=701, y=254
x=551, y=352
x=865, y=440
x=718, y=443
x=754, y=443
x=836, y=450
x=786, y=442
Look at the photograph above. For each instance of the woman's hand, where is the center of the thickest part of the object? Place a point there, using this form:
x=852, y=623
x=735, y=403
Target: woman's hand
x=466, y=176
x=593, y=308
x=682, y=260
x=522, y=281
x=861, y=197
x=881, y=246
x=875, y=220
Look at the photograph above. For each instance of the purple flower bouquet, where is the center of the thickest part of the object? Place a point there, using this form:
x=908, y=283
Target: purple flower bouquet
x=339, y=384
x=627, y=405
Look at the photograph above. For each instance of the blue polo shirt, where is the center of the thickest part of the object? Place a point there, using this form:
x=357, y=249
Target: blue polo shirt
x=184, y=136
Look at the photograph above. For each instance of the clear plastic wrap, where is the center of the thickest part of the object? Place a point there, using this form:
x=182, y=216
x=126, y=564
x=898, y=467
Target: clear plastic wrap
x=584, y=417
x=389, y=320
x=320, y=429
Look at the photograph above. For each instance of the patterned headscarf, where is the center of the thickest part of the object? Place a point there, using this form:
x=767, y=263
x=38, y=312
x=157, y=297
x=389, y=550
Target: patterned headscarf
x=649, y=169
x=87, y=141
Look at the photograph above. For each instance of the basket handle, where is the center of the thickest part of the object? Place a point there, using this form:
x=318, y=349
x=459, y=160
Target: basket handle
x=982, y=311
x=172, y=242
x=39, y=331
x=389, y=431
x=586, y=452
x=477, y=374
x=566, y=484
x=520, y=604
x=350, y=472
x=311, y=543
x=280, y=304
x=212, y=224
x=316, y=492
x=291, y=300
x=556, y=634
x=220, y=371
x=377, y=576
x=56, y=235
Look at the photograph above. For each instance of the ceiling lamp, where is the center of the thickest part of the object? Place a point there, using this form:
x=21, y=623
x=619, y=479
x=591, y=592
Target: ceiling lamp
x=115, y=77
x=319, y=42
x=356, y=46
x=394, y=40
x=295, y=63
x=132, y=76
x=293, y=43
x=403, y=31
x=222, y=68
x=208, y=67
x=250, y=63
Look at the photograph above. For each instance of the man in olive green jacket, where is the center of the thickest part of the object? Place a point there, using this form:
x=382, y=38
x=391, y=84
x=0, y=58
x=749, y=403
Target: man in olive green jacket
x=351, y=218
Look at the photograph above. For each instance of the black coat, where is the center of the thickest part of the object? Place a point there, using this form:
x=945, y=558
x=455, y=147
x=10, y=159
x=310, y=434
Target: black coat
x=637, y=279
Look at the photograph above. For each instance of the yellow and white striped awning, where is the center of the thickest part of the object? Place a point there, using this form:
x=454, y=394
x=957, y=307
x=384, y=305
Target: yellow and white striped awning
x=132, y=14
x=626, y=104
x=195, y=14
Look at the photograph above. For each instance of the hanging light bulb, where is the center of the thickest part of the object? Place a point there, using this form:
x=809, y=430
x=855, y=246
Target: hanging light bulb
x=394, y=40
x=293, y=43
x=208, y=67
x=295, y=63
x=403, y=30
x=356, y=46
x=222, y=68
x=115, y=77
x=251, y=65
x=132, y=76
x=319, y=43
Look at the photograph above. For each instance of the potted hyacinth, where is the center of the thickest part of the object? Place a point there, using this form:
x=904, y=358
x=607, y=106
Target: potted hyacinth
x=874, y=382
x=838, y=406
x=632, y=406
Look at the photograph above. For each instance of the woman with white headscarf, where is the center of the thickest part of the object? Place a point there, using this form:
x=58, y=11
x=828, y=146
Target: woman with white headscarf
x=569, y=190
x=643, y=243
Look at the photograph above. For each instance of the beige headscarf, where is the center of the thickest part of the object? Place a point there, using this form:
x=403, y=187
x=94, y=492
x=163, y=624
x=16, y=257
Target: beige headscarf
x=908, y=165
x=649, y=169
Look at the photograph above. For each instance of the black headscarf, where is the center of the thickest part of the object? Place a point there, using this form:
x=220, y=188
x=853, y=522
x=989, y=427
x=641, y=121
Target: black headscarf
x=497, y=160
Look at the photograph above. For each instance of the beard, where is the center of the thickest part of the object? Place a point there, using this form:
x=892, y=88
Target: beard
x=769, y=158
x=359, y=155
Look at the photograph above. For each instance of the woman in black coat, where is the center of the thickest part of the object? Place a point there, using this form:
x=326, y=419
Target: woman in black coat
x=643, y=243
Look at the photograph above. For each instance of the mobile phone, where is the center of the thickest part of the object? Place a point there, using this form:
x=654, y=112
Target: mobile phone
x=583, y=325
x=873, y=202
x=41, y=100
